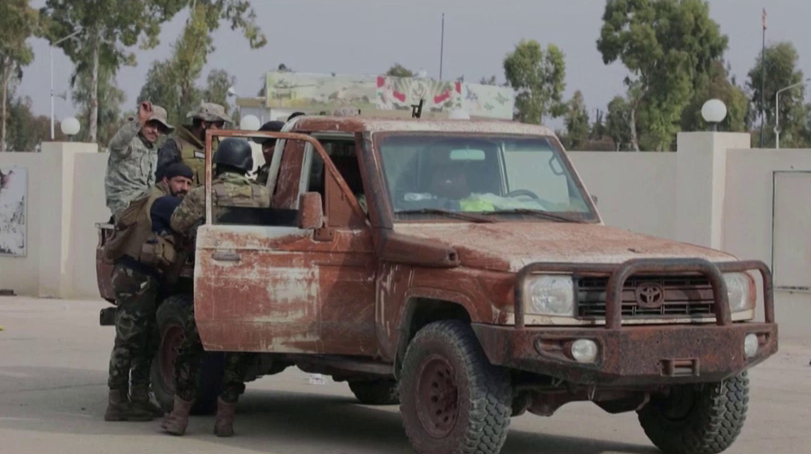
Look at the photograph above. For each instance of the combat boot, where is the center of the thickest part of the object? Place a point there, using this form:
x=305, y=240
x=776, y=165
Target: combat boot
x=224, y=424
x=120, y=409
x=139, y=396
x=178, y=419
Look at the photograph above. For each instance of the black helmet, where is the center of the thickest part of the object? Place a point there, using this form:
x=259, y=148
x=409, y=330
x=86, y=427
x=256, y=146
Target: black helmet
x=234, y=153
x=272, y=126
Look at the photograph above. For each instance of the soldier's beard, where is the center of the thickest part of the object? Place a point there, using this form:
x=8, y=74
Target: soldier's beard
x=180, y=194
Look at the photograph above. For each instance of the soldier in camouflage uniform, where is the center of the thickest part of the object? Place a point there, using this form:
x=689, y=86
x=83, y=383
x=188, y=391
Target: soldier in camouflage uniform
x=187, y=144
x=133, y=158
x=136, y=280
x=268, y=146
x=230, y=188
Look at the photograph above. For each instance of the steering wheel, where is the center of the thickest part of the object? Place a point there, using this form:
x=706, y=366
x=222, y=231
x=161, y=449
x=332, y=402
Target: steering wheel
x=526, y=192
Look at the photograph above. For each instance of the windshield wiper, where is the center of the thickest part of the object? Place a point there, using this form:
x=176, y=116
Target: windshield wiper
x=540, y=213
x=448, y=213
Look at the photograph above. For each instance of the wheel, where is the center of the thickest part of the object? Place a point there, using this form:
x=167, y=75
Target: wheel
x=697, y=419
x=451, y=398
x=171, y=317
x=376, y=392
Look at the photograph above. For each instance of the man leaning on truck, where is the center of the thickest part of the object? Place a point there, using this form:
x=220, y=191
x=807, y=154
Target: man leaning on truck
x=143, y=253
x=230, y=188
x=133, y=158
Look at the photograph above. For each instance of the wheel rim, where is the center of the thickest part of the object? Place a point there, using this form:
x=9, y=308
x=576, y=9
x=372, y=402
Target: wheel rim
x=437, y=396
x=170, y=344
x=679, y=404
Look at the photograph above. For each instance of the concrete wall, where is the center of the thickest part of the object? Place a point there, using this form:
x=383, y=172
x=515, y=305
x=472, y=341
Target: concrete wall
x=635, y=191
x=65, y=198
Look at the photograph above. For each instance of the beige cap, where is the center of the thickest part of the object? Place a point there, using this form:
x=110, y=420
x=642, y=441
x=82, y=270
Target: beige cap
x=208, y=111
x=159, y=115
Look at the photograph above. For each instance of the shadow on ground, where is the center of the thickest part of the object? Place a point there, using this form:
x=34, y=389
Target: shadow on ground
x=73, y=401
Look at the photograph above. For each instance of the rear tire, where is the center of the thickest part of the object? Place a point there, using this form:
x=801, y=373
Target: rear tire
x=171, y=317
x=697, y=419
x=451, y=398
x=376, y=392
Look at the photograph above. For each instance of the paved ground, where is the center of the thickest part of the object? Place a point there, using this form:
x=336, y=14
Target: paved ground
x=53, y=359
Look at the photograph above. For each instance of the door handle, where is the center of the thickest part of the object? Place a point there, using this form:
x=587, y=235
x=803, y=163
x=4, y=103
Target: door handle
x=224, y=256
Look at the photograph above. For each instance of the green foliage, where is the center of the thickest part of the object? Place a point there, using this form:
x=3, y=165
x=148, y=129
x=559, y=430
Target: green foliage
x=717, y=84
x=488, y=80
x=781, y=72
x=667, y=45
x=618, y=122
x=18, y=22
x=538, y=77
x=399, y=70
x=217, y=84
x=577, y=122
x=110, y=98
x=27, y=131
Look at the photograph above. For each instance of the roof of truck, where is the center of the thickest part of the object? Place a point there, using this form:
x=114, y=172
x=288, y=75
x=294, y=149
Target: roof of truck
x=363, y=124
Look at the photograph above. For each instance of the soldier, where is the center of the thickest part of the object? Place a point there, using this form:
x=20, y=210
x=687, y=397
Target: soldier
x=141, y=252
x=187, y=145
x=133, y=158
x=230, y=188
x=268, y=146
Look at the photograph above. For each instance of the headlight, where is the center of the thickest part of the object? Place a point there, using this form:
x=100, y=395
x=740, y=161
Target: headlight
x=738, y=290
x=551, y=295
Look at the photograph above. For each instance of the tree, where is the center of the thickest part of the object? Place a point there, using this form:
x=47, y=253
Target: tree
x=108, y=27
x=618, y=122
x=110, y=98
x=538, y=77
x=576, y=120
x=667, y=45
x=399, y=70
x=781, y=67
x=718, y=84
x=17, y=23
x=27, y=131
x=217, y=84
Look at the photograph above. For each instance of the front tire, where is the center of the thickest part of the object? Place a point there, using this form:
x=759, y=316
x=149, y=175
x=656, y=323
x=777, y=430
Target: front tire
x=451, y=398
x=172, y=317
x=697, y=419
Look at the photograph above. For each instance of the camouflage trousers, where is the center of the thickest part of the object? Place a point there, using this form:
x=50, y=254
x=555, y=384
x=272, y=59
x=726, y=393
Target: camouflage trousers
x=136, y=332
x=190, y=357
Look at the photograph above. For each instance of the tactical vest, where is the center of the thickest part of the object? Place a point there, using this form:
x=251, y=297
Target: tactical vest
x=193, y=154
x=134, y=236
x=235, y=191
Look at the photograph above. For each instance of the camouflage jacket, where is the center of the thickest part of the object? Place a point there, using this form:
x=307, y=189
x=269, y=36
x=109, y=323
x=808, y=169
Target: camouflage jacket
x=130, y=167
x=229, y=190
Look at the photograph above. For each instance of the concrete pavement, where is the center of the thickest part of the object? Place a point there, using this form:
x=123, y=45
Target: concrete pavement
x=53, y=371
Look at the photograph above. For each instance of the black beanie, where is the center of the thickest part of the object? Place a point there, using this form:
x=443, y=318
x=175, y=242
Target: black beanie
x=178, y=169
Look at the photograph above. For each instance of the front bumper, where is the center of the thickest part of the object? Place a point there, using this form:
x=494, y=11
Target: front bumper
x=631, y=356
x=636, y=355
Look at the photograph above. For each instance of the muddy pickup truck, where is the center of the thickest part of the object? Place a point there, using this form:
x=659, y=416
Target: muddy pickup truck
x=461, y=269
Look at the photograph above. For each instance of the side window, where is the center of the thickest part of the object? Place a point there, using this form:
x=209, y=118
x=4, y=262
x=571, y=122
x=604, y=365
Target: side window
x=343, y=154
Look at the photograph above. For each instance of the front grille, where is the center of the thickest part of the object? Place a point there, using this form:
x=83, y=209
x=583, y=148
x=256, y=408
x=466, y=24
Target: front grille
x=684, y=296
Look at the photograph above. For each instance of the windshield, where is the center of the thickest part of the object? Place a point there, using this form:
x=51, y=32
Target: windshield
x=493, y=176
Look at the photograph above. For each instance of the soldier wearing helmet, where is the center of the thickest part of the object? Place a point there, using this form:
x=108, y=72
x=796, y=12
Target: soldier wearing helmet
x=230, y=188
x=187, y=145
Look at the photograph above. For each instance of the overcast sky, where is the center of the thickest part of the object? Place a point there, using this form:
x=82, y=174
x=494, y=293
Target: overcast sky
x=368, y=36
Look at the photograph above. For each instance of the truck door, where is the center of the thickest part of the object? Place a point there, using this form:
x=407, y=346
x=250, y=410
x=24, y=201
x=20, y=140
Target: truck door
x=277, y=288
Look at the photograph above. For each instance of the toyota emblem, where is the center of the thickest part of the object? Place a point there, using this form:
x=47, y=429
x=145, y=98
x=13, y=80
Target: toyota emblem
x=650, y=295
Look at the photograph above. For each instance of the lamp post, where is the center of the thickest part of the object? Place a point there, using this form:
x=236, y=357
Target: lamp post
x=777, y=129
x=714, y=111
x=52, y=75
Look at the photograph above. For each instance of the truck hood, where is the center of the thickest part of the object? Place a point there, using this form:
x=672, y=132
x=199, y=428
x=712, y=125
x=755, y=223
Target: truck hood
x=509, y=246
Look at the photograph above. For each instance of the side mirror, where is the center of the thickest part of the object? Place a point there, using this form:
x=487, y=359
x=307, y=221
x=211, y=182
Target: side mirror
x=594, y=199
x=310, y=211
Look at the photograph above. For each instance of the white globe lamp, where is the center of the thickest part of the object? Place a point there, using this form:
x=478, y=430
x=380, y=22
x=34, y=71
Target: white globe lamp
x=70, y=127
x=249, y=123
x=714, y=111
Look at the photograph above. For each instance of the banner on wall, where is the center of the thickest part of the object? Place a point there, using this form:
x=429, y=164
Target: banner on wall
x=13, y=199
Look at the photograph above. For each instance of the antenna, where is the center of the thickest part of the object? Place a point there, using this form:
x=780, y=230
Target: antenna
x=442, y=47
